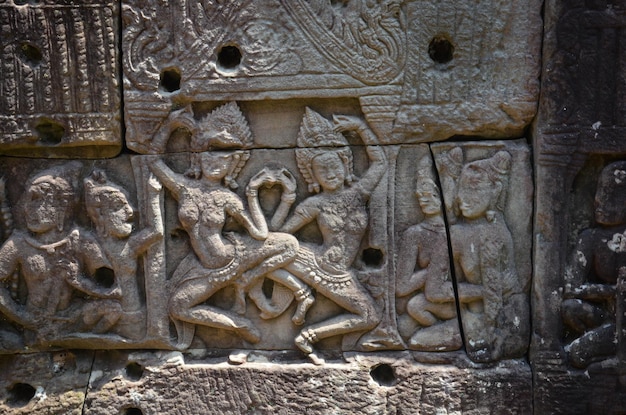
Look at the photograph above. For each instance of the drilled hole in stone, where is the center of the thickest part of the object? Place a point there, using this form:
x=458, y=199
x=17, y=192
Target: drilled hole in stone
x=105, y=277
x=31, y=53
x=384, y=375
x=440, y=49
x=170, y=80
x=50, y=132
x=132, y=411
x=20, y=394
x=134, y=371
x=372, y=257
x=229, y=57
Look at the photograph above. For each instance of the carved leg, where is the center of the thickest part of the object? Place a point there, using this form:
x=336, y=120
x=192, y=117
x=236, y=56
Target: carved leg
x=184, y=306
x=301, y=291
x=592, y=346
x=356, y=300
x=417, y=308
x=265, y=260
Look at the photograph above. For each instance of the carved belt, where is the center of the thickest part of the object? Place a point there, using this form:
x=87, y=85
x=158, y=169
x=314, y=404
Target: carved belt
x=318, y=276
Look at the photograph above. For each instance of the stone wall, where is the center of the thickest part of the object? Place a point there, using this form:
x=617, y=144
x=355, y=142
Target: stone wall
x=290, y=206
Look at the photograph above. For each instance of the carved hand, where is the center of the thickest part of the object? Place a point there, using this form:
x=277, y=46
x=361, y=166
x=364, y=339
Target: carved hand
x=347, y=123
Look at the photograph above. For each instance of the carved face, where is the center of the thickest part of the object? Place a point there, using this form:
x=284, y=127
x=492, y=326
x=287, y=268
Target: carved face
x=117, y=215
x=329, y=171
x=215, y=165
x=476, y=194
x=44, y=209
x=428, y=198
x=610, y=199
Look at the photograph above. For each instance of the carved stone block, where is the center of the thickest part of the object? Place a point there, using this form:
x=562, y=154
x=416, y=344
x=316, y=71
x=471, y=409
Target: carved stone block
x=487, y=191
x=578, y=347
x=59, y=80
x=419, y=71
x=393, y=383
x=54, y=383
x=75, y=261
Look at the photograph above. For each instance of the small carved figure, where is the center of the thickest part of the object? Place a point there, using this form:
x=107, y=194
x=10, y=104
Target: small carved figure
x=424, y=267
x=589, y=305
x=109, y=209
x=219, y=259
x=58, y=263
x=495, y=325
x=340, y=210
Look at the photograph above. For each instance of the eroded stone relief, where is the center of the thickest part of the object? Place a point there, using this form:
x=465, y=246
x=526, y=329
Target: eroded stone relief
x=592, y=295
x=491, y=210
x=59, y=79
x=273, y=249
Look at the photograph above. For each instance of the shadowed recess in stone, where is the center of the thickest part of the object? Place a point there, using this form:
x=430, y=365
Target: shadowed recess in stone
x=20, y=394
x=170, y=80
x=31, y=53
x=229, y=57
x=372, y=257
x=105, y=277
x=384, y=375
x=441, y=49
x=133, y=371
x=131, y=411
x=49, y=131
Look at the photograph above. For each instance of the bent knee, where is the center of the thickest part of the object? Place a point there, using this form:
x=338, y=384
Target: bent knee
x=284, y=243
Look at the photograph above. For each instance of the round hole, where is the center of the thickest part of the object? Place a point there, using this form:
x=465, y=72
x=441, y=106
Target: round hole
x=440, y=49
x=383, y=375
x=20, y=394
x=372, y=257
x=105, y=277
x=31, y=53
x=132, y=411
x=134, y=371
x=229, y=57
x=170, y=80
x=50, y=132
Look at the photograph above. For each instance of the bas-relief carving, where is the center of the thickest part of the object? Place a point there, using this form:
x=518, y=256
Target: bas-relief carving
x=58, y=77
x=424, y=284
x=384, y=54
x=592, y=297
x=330, y=220
x=257, y=254
x=490, y=215
x=63, y=284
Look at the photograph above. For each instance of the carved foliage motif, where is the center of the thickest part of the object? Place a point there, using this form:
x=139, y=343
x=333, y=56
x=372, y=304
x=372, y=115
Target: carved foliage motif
x=363, y=39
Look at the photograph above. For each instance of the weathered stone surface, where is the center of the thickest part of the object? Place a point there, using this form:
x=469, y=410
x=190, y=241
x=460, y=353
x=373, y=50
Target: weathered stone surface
x=578, y=344
x=487, y=192
x=419, y=71
x=45, y=383
x=368, y=384
x=59, y=80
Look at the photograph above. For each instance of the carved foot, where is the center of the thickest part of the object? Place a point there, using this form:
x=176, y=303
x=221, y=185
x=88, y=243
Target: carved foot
x=305, y=301
x=249, y=334
x=305, y=341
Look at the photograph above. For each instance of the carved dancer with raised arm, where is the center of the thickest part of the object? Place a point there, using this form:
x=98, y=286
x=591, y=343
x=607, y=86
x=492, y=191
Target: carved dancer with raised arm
x=218, y=259
x=340, y=210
